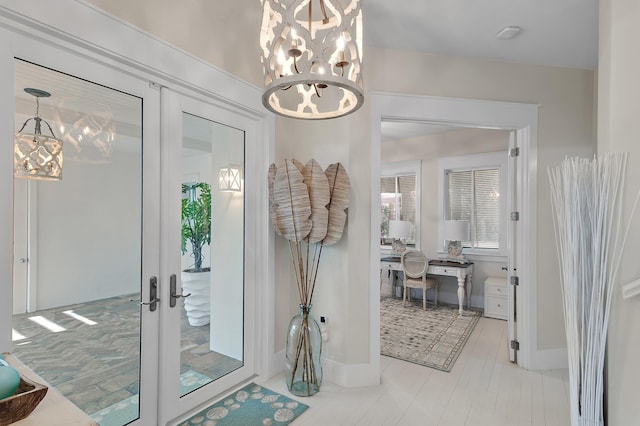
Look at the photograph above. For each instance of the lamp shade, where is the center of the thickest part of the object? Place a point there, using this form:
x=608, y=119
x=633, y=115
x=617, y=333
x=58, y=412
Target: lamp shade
x=456, y=230
x=400, y=229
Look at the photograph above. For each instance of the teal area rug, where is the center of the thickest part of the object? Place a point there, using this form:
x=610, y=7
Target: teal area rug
x=252, y=405
x=126, y=410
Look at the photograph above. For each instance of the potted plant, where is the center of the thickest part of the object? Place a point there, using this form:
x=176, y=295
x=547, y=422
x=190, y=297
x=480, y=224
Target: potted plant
x=196, y=233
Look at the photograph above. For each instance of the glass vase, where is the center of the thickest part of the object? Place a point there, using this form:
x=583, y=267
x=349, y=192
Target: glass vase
x=304, y=347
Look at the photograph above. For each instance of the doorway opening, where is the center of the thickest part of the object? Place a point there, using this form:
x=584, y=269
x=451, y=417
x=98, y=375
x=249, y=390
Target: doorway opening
x=521, y=119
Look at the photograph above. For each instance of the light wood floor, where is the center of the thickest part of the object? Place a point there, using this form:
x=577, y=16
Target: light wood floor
x=483, y=388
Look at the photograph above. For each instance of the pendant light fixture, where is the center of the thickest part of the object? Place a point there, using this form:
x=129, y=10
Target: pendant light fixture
x=312, y=57
x=36, y=156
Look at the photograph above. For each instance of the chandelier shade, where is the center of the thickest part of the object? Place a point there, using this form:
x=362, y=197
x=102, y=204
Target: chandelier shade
x=37, y=156
x=312, y=57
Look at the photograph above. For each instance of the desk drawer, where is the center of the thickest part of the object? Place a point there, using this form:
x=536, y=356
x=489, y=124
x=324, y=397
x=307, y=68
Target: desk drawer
x=495, y=290
x=495, y=307
x=442, y=270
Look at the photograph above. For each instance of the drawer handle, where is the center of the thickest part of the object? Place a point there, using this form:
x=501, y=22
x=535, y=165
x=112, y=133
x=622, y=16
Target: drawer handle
x=499, y=305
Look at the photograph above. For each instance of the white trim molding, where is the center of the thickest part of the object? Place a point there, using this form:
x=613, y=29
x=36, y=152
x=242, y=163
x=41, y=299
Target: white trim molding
x=520, y=117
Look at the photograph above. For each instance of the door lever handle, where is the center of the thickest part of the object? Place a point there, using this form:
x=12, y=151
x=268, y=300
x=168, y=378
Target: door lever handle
x=178, y=296
x=172, y=291
x=153, y=294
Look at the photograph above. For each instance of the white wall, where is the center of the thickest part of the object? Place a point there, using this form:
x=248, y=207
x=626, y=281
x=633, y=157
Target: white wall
x=618, y=93
x=227, y=248
x=566, y=127
x=88, y=239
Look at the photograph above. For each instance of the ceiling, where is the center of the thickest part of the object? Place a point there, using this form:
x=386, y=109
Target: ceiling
x=561, y=33
x=554, y=32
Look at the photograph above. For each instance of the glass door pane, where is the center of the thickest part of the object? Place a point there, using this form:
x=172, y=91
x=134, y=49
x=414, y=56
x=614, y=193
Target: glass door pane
x=212, y=252
x=78, y=245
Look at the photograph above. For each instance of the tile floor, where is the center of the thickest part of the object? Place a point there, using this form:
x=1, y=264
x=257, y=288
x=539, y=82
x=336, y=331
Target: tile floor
x=483, y=389
x=97, y=365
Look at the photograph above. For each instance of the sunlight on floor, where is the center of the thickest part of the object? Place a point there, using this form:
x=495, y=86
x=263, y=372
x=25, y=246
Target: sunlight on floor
x=16, y=336
x=49, y=325
x=79, y=317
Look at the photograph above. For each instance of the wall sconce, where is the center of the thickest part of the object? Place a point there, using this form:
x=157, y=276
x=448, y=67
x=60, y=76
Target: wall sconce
x=456, y=231
x=36, y=156
x=230, y=179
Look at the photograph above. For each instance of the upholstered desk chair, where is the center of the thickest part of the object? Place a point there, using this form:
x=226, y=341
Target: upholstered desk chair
x=414, y=266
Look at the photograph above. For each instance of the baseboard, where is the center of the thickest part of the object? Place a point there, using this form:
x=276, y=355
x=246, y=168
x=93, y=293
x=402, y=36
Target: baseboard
x=344, y=375
x=550, y=359
x=352, y=375
x=275, y=364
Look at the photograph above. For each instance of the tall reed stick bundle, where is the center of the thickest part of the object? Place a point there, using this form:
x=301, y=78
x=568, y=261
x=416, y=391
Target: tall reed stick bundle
x=586, y=200
x=308, y=207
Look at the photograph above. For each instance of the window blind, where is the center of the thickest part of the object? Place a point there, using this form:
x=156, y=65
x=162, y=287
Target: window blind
x=474, y=196
x=398, y=201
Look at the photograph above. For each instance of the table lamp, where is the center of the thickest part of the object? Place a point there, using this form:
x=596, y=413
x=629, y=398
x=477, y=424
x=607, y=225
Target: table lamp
x=400, y=231
x=455, y=232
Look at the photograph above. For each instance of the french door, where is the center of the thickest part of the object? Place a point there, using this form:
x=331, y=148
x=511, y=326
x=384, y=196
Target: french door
x=203, y=154
x=98, y=256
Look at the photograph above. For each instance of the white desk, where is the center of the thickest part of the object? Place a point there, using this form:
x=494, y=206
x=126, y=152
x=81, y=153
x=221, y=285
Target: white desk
x=462, y=272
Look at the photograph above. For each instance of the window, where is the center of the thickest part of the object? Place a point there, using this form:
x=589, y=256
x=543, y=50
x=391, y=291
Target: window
x=474, y=196
x=474, y=189
x=400, y=200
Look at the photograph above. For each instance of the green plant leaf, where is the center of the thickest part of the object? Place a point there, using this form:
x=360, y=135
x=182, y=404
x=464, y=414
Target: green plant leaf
x=196, y=220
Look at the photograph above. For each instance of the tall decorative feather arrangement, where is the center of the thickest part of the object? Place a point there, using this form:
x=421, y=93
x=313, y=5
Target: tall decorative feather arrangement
x=586, y=202
x=308, y=207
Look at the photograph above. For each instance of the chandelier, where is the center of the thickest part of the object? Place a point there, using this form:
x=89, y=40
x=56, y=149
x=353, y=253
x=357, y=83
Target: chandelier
x=36, y=156
x=312, y=57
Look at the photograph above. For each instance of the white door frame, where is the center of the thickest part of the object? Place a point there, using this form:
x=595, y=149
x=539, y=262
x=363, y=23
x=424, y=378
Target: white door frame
x=174, y=104
x=467, y=113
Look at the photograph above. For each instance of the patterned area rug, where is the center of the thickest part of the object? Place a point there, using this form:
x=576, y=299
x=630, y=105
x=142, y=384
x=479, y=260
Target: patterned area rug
x=252, y=405
x=433, y=338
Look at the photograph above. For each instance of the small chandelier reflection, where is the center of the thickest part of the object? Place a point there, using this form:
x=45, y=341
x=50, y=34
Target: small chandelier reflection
x=90, y=126
x=312, y=57
x=230, y=179
x=36, y=156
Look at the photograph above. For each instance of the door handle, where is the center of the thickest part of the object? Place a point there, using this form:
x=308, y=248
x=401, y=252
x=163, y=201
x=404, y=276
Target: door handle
x=172, y=291
x=153, y=293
